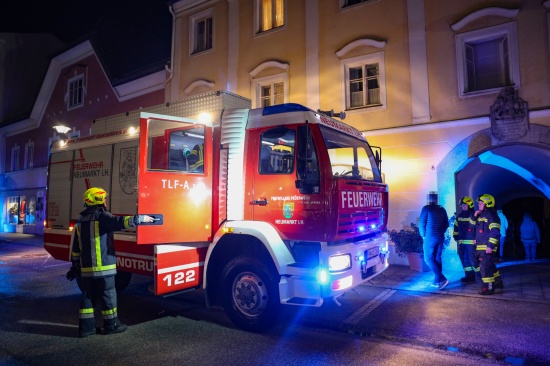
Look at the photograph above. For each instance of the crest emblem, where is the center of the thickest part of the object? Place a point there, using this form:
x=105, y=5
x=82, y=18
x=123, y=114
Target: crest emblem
x=288, y=209
x=127, y=174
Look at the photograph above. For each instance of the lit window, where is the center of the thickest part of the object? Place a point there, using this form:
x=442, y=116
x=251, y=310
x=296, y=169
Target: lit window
x=271, y=14
x=487, y=60
x=364, y=80
x=76, y=92
x=202, y=31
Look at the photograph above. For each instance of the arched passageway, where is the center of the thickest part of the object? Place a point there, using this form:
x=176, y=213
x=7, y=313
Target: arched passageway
x=518, y=176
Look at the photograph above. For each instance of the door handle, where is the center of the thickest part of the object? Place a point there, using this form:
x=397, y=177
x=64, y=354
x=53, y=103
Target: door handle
x=260, y=202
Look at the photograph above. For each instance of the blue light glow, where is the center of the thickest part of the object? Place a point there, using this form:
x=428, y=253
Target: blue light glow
x=505, y=163
x=373, y=226
x=361, y=228
x=323, y=276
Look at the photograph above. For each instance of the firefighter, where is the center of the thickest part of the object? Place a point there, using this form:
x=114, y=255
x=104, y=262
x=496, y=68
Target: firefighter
x=487, y=235
x=464, y=235
x=93, y=255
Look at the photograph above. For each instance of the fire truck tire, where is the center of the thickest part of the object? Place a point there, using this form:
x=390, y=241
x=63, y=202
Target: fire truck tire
x=250, y=294
x=122, y=280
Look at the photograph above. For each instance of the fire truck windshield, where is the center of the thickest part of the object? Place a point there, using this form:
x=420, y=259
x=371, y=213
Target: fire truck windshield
x=350, y=157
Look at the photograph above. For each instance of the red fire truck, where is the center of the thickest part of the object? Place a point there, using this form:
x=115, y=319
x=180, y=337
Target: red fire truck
x=258, y=207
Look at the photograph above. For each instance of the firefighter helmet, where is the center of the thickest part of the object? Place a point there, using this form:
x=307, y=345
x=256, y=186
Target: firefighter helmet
x=94, y=196
x=467, y=200
x=487, y=199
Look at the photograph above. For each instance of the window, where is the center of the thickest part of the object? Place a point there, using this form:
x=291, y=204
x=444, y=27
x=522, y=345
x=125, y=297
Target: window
x=270, y=90
x=185, y=147
x=277, y=151
x=15, y=158
x=202, y=31
x=487, y=60
x=271, y=14
x=76, y=92
x=29, y=155
x=364, y=79
x=350, y=157
x=272, y=94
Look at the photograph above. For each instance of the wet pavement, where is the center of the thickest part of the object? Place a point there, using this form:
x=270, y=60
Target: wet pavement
x=523, y=280
x=527, y=281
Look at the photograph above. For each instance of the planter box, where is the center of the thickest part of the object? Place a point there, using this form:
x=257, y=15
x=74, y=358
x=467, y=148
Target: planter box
x=416, y=262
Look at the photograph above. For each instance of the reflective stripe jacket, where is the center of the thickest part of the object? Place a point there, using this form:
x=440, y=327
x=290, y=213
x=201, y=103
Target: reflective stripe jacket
x=487, y=229
x=464, y=227
x=93, y=243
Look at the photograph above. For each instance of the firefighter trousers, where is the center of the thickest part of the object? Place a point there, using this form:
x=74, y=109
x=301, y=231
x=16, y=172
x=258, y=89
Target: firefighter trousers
x=102, y=289
x=486, y=264
x=466, y=254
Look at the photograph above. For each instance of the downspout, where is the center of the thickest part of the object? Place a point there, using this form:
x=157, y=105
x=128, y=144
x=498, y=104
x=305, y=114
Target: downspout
x=170, y=68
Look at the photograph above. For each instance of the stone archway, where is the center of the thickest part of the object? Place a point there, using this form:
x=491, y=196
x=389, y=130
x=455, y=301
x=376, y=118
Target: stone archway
x=508, y=161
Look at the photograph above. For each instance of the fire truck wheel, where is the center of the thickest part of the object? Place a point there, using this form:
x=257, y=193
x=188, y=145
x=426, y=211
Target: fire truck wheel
x=122, y=280
x=250, y=294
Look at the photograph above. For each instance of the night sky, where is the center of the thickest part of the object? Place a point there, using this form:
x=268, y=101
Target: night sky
x=131, y=38
x=70, y=20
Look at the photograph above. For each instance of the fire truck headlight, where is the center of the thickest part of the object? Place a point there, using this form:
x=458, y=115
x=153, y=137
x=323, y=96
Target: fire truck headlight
x=323, y=277
x=339, y=262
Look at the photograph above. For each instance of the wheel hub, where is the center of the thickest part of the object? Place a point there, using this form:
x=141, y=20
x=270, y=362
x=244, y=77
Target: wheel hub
x=250, y=294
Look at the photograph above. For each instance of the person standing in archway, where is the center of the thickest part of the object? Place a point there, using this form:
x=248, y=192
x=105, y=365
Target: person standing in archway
x=432, y=225
x=487, y=235
x=464, y=236
x=503, y=228
x=530, y=236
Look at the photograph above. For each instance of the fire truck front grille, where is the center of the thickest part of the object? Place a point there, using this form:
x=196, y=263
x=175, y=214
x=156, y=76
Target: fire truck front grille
x=357, y=222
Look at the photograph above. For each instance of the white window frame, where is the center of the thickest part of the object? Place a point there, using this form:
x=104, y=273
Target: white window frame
x=29, y=155
x=258, y=18
x=78, y=103
x=508, y=30
x=346, y=64
x=194, y=20
x=15, y=157
x=258, y=83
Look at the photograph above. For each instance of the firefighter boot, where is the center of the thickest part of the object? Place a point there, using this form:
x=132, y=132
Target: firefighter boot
x=498, y=283
x=86, y=327
x=487, y=289
x=114, y=326
x=469, y=277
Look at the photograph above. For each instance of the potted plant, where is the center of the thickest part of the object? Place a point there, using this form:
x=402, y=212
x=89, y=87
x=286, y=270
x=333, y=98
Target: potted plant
x=409, y=242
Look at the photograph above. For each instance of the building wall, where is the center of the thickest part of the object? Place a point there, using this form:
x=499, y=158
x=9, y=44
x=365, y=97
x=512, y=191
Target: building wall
x=101, y=99
x=425, y=120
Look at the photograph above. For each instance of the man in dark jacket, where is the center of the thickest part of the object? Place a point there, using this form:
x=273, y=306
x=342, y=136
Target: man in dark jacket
x=93, y=253
x=432, y=225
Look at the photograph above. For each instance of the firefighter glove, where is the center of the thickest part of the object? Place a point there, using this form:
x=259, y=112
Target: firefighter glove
x=73, y=272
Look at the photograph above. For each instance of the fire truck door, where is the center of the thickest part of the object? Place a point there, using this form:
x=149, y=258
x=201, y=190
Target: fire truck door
x=275, y=196
x=174, y=180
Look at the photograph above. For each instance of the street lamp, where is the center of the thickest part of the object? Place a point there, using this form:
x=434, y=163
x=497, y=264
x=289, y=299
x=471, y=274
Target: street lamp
x=61, y=129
